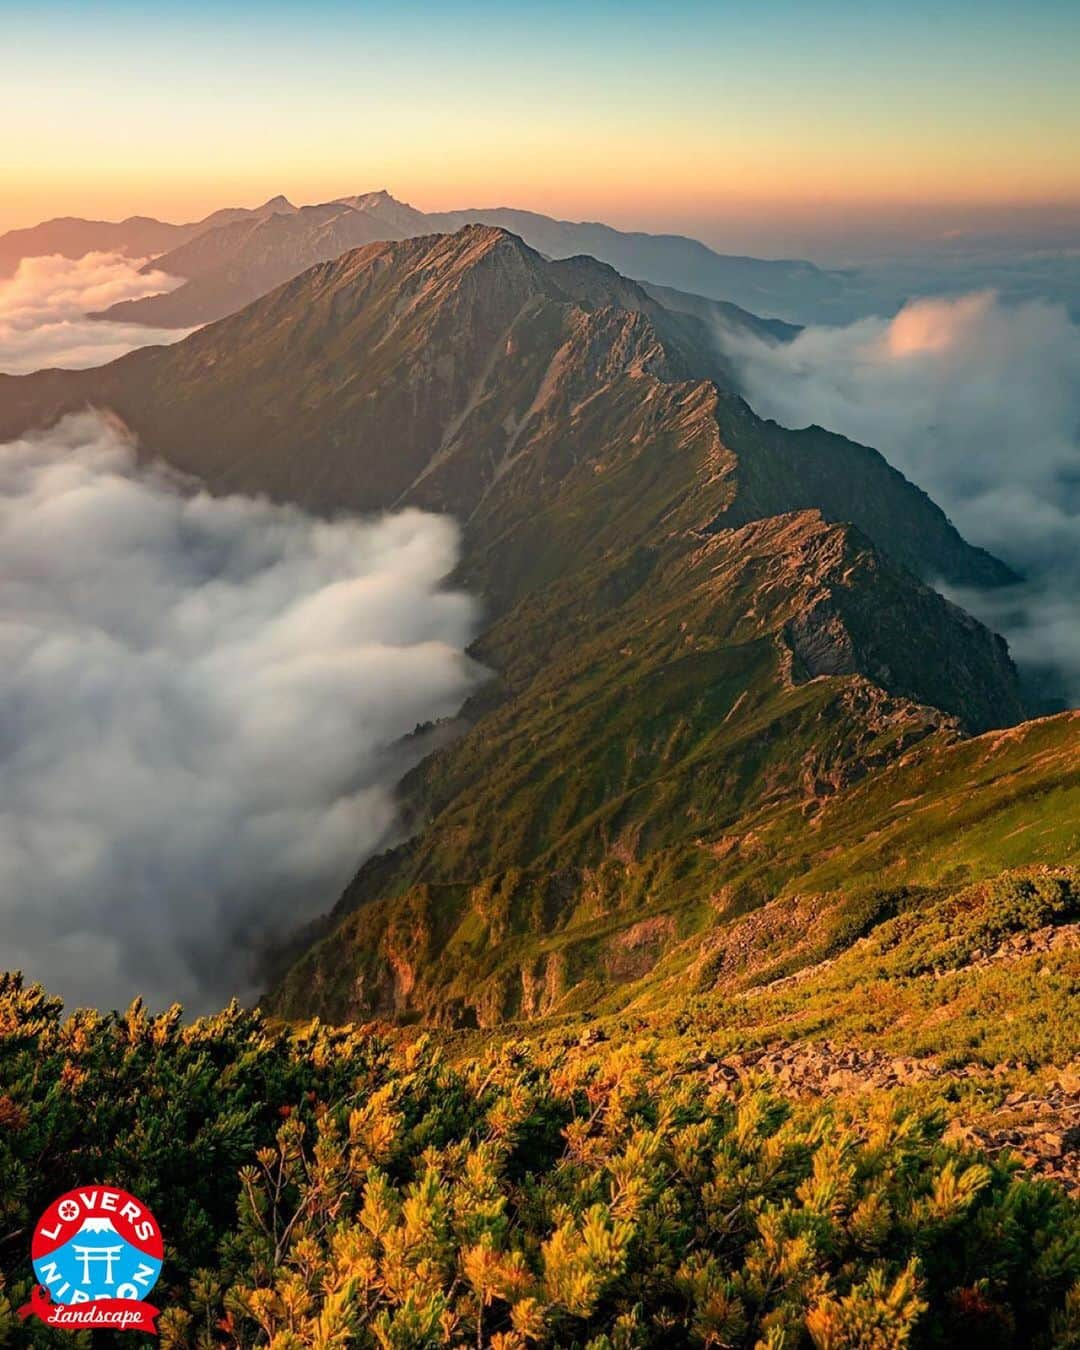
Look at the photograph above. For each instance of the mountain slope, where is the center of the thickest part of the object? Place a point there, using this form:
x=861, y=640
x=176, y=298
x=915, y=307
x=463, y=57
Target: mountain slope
x=721, y=314
x=785, y=289
x=72, y=237
x=138, y=236
x=500, y=375
x=734, y=906
x=698, y=622
x=229, y=267
x=637, y=745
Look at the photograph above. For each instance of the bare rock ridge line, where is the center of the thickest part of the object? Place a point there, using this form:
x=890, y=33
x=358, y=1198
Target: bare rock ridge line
x=321, y=363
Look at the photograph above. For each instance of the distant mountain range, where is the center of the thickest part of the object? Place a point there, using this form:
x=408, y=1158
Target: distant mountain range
x=708, y=633
x=234, y=256
x=138, y=236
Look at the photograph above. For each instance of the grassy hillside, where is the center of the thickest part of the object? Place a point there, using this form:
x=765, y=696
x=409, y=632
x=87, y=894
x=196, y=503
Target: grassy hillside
x=637, y=903
x=329, y=1188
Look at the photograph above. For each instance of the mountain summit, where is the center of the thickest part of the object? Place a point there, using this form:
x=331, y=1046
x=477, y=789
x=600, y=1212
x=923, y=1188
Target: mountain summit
x=497, y=374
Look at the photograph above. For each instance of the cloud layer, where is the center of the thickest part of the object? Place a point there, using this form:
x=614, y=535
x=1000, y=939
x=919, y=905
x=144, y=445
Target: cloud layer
x=979, y=403
x=43, y=308
x=199, y=700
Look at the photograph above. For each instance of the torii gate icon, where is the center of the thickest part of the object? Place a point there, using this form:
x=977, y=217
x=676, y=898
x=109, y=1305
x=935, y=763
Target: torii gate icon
x=90, y=1254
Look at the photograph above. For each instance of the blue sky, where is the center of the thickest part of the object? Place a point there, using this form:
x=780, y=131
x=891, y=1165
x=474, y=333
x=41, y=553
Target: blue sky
x=685, y=113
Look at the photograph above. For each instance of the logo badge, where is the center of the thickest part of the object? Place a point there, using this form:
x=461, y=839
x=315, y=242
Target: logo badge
x=97, y=1254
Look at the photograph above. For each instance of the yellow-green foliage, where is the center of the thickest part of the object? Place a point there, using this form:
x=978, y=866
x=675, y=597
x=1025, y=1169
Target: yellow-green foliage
x=923, y=979
x=325, y=1188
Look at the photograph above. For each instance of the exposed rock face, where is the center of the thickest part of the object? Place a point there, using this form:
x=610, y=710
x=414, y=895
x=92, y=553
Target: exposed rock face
x=863, y=617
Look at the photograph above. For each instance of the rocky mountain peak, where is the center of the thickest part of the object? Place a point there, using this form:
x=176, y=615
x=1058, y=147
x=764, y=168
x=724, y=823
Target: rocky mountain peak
x=365, y=201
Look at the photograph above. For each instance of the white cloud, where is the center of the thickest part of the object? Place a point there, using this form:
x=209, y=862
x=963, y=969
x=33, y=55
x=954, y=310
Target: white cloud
x=43, y=310
x=979, y=403
x=199, y=700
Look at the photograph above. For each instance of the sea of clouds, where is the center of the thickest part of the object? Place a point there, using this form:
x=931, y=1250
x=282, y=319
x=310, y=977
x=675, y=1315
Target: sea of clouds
x=200, y=701
x=43, y=310
x=978, y=402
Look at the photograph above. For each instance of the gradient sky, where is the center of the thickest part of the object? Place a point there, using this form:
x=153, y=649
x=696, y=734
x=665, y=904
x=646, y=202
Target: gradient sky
x=716, y=118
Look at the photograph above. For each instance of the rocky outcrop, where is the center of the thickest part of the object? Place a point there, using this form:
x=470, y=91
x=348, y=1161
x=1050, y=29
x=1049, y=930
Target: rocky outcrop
x=1039, y=1127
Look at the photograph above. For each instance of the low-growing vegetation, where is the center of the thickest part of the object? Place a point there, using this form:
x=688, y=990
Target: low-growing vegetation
x=341, y=1187
x=939, y=972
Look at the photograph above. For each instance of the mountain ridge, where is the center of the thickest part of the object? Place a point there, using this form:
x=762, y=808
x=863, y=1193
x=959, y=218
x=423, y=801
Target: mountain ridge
x=717, y=622
x=294, y=353
x=136, y=236
x=230, y=268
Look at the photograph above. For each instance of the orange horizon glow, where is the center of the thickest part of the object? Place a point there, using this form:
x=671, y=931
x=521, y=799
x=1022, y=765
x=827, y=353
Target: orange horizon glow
x=27, y=203
x=683, y=119
x=652, y=189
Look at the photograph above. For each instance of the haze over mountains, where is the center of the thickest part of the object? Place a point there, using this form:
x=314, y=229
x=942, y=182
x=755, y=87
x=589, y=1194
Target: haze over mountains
x=719, y=623
x=235, y=256
x=44, y=309
x=72, y=236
